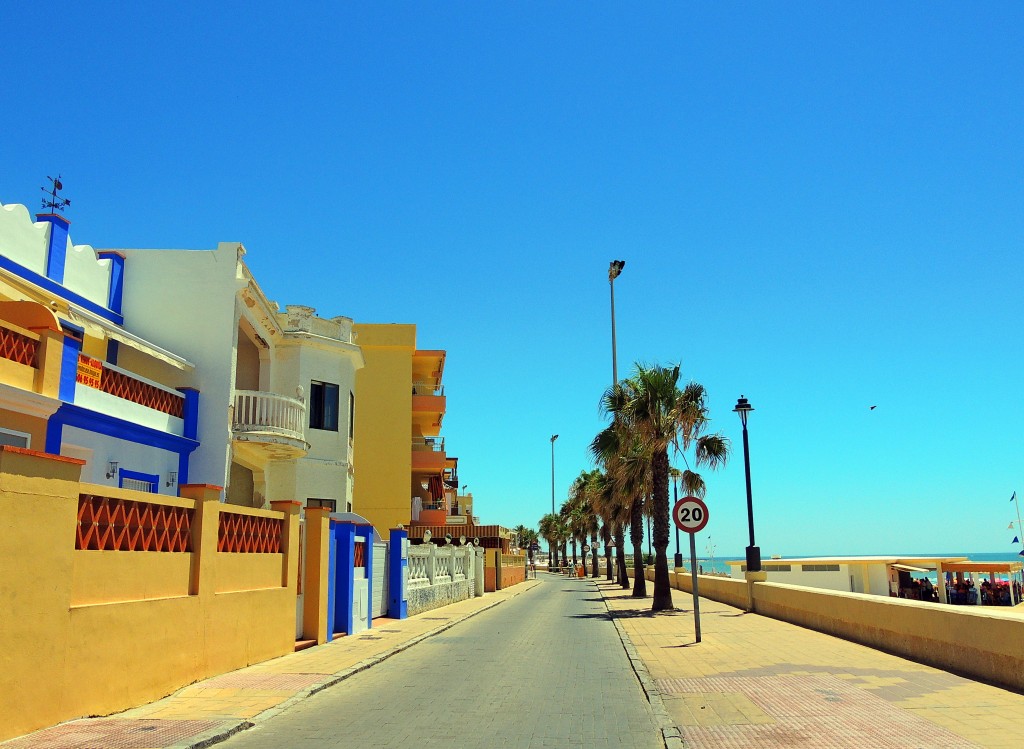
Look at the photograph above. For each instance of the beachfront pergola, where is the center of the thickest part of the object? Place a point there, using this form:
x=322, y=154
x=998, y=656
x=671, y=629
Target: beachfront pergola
x=1012, y=571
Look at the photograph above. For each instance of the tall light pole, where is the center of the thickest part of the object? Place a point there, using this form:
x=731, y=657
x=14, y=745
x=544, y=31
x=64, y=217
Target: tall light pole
x=553, y=438
x=743, y=408
x=614, y=269
x=553, y=549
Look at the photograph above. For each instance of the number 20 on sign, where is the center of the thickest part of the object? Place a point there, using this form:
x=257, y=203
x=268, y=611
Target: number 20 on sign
x=690, y=514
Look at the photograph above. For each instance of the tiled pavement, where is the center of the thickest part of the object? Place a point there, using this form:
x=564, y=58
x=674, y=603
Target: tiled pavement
x=209, y=711
x=757, y=682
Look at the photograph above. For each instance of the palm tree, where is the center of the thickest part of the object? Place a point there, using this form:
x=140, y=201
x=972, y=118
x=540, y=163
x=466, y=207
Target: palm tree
x=660, y=415
x=583, y=516
x=627, y=463
x=548, y=529
x=607, y=506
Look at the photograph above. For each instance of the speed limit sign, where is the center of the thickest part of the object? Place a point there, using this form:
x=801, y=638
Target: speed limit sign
x=690, y=514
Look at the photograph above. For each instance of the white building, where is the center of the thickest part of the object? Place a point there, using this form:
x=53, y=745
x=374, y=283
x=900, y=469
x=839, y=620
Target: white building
x=276, y=416
x=876, y=575
x=75, y=377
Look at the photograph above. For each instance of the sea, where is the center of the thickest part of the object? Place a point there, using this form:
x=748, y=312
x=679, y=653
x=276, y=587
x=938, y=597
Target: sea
x=720, y=565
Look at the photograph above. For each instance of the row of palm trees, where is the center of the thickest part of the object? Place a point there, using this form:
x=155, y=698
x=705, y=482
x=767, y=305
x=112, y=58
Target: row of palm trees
x=650, y=414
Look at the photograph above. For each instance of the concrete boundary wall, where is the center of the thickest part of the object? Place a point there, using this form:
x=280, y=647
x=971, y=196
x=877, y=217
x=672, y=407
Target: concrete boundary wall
x=91, y=632
x=437, y=595
x=985, y=644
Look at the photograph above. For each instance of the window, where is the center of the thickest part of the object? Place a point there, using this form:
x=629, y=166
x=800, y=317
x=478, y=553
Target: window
x=821, y=568
x=15, y=439
x=323, y=406
x=330, y=504
x=351, y=415
x=140, y=482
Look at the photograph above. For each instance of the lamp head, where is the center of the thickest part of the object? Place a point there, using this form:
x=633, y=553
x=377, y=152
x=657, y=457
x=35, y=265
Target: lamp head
x=743, y=408
x=553, y=438
x=615, y=268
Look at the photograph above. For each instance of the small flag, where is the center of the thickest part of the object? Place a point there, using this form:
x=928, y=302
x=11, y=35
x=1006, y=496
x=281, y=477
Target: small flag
x=1020, y=553
x=1015, y=540
x=1010, y=526
x=1013, y=497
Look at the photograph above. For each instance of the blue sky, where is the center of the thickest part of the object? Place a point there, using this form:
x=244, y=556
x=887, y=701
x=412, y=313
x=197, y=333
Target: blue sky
x=820, y=207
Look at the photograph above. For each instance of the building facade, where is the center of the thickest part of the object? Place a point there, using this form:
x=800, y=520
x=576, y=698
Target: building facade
x=75, y=379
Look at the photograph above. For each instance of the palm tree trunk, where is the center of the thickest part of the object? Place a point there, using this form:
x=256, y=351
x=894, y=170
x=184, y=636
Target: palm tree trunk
x=553, y=554
x=636, y=535
x=593, y=554
x=606, y=538
x=620, y=557
x=659, y=479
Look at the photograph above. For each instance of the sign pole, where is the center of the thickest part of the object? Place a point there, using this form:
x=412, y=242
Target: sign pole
x=691, y=516
x=693, y=577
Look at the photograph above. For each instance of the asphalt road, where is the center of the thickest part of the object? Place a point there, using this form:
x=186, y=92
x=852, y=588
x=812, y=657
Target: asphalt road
x=544, y=669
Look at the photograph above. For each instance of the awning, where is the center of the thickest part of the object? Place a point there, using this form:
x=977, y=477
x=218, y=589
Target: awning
x=99, y=326
x=1004, y=567
x=908, y=568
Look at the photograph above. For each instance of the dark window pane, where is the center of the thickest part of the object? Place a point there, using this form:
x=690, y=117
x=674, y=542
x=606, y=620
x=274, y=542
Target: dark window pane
x=316, y=405
x=330, y=407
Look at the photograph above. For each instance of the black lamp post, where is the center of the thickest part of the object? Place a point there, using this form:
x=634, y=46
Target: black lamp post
x=675, y=495
x=743, y=408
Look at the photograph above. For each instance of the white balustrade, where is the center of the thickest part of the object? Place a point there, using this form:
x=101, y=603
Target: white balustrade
x=257, y=411
x=418, y=556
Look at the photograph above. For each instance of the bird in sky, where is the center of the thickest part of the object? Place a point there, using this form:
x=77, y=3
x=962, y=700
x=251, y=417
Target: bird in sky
x=872, y=408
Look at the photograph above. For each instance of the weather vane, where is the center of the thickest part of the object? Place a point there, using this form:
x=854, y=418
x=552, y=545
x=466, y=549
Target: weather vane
x=54, y=202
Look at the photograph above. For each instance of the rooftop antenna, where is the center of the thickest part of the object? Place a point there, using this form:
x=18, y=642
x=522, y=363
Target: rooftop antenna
x=55, y=202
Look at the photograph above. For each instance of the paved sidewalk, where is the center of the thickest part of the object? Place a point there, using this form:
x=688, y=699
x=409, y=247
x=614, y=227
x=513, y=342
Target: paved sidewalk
x=209, y=711
x=758, y=682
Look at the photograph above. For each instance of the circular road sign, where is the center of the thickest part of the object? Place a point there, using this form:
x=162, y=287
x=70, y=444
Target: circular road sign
x=690, y=514
x=586, y=548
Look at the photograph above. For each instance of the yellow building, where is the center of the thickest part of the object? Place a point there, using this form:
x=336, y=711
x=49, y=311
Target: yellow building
x=402, y=470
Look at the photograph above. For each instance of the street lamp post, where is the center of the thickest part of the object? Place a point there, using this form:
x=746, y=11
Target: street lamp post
x=743, y=408
x=614, y=269
x=552, y=553
x=553, y=438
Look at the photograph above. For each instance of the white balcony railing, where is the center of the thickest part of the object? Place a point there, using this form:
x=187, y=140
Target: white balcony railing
x=257, y=411
x=428, y=444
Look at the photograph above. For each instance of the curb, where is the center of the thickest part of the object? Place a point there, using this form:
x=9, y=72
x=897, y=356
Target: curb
x=223, y=734
x=670, y=733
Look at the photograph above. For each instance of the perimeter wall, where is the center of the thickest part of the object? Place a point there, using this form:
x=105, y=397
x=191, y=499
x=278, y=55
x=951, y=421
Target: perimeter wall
x=982, y=643
x=111, y=598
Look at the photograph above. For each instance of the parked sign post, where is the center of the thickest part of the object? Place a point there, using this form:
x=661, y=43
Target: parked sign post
x=691, y=515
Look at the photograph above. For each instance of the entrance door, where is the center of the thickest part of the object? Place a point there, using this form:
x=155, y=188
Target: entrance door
x=380, y=580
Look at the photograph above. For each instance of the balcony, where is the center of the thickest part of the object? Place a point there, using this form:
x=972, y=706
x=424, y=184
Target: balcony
x=110, y=390
x=428, y=407
x=268, y=426
x=428, y=455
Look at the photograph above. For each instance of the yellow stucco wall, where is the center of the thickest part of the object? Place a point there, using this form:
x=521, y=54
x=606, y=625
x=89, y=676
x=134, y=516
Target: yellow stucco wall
x=382, y=454
x=94, y=632
x=31, y=425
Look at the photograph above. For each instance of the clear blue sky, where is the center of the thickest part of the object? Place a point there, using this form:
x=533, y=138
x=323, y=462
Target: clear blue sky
x=820, y=206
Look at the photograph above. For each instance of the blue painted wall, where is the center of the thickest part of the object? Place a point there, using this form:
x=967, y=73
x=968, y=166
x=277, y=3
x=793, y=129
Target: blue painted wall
x=398, y=605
